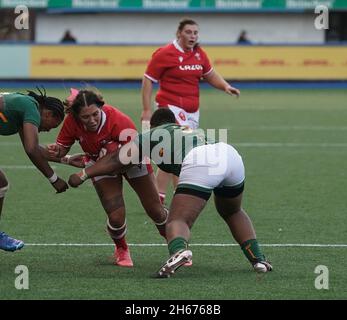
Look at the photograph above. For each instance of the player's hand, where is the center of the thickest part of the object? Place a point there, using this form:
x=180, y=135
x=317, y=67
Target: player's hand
x=53, y=150
x=60, y=185
x=146, y=115
x=75, y=180
x=232, y=91
x=75, y=160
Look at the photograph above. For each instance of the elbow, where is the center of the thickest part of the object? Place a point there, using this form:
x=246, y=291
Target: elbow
x=31, y=151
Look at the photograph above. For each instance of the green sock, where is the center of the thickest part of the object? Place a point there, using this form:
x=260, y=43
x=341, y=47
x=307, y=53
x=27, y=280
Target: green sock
x=177, y=244
x=252, y=251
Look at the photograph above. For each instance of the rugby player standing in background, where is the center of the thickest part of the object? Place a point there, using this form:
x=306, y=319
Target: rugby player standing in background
x=178, y=68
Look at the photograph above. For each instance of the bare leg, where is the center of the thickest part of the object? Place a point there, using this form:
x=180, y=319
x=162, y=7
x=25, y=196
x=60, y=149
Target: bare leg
x=6, y=242
x=174, y=181
x=242, y=230
x=183, y=212
x=111, y=197
x=148, y=194
x=1, y=204
x=3, y=184
x=163, y=179
x=236, y=218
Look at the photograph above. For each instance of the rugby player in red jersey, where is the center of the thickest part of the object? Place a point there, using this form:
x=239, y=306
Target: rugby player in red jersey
x=178, y=68
x=100, y=128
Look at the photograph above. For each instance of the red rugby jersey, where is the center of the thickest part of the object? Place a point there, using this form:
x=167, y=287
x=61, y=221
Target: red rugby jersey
x=178, y=73
x=113, y=122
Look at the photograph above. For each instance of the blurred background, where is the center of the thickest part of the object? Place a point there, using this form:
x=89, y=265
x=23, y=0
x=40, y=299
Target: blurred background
x=247, y=40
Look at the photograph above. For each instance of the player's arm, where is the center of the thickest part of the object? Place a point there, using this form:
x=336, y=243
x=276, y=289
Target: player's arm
x=30, y=140
x=111, y=164
x=58, y=153
x=217, y=81
x=147, y=88
x=54, y=152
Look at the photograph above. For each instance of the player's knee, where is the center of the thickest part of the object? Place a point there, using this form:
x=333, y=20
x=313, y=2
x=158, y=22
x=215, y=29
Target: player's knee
x=160, y=217
x=3, y=190
x=113, y=204
x=116, y=222
x=155, y=211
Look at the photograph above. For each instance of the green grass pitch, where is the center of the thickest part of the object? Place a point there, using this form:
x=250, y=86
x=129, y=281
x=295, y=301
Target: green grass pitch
x=294, y=146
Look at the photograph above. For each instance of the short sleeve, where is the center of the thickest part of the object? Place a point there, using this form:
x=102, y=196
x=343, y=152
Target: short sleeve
x=157, y=65
x=31, y=113
x=67, y=134
x=124, y=129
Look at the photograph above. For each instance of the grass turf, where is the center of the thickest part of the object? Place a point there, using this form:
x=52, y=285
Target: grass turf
x=294, y=146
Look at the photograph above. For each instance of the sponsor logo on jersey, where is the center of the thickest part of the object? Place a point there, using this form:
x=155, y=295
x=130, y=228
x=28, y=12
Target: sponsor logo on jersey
x=191, y=67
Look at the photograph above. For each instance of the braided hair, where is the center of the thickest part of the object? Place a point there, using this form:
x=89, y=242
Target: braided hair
x=50, y=103
x=85, y=98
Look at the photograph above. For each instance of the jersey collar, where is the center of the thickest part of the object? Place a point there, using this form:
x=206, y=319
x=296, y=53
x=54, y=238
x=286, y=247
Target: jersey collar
x=103, y=120
x=178, y=47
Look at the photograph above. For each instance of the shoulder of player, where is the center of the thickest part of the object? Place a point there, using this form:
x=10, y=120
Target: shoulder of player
x=114, y=116
x=165, y=51
x=22, y=100
x=71, y=123
x=112, y=111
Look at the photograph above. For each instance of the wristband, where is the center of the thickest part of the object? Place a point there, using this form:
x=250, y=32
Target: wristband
x=53, y=178
x=83, y=175
x=66, y=159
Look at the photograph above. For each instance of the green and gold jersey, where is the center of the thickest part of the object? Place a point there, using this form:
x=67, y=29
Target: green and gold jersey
x=17, y=109
x=167, y=145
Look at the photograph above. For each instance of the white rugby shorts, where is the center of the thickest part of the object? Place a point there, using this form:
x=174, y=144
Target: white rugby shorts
x=212, y=167
x=185, y=118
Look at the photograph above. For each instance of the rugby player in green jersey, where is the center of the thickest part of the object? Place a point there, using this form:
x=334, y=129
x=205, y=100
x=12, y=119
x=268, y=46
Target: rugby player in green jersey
x=27, y=115
x=203, y=168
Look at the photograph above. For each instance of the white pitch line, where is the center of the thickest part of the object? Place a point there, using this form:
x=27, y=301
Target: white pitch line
x=16, y=143
x=311, y=245
x=288, y=145
x=292, y=128
x=21, y=167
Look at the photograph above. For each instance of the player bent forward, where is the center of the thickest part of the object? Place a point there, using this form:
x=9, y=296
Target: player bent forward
x=198, y=178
